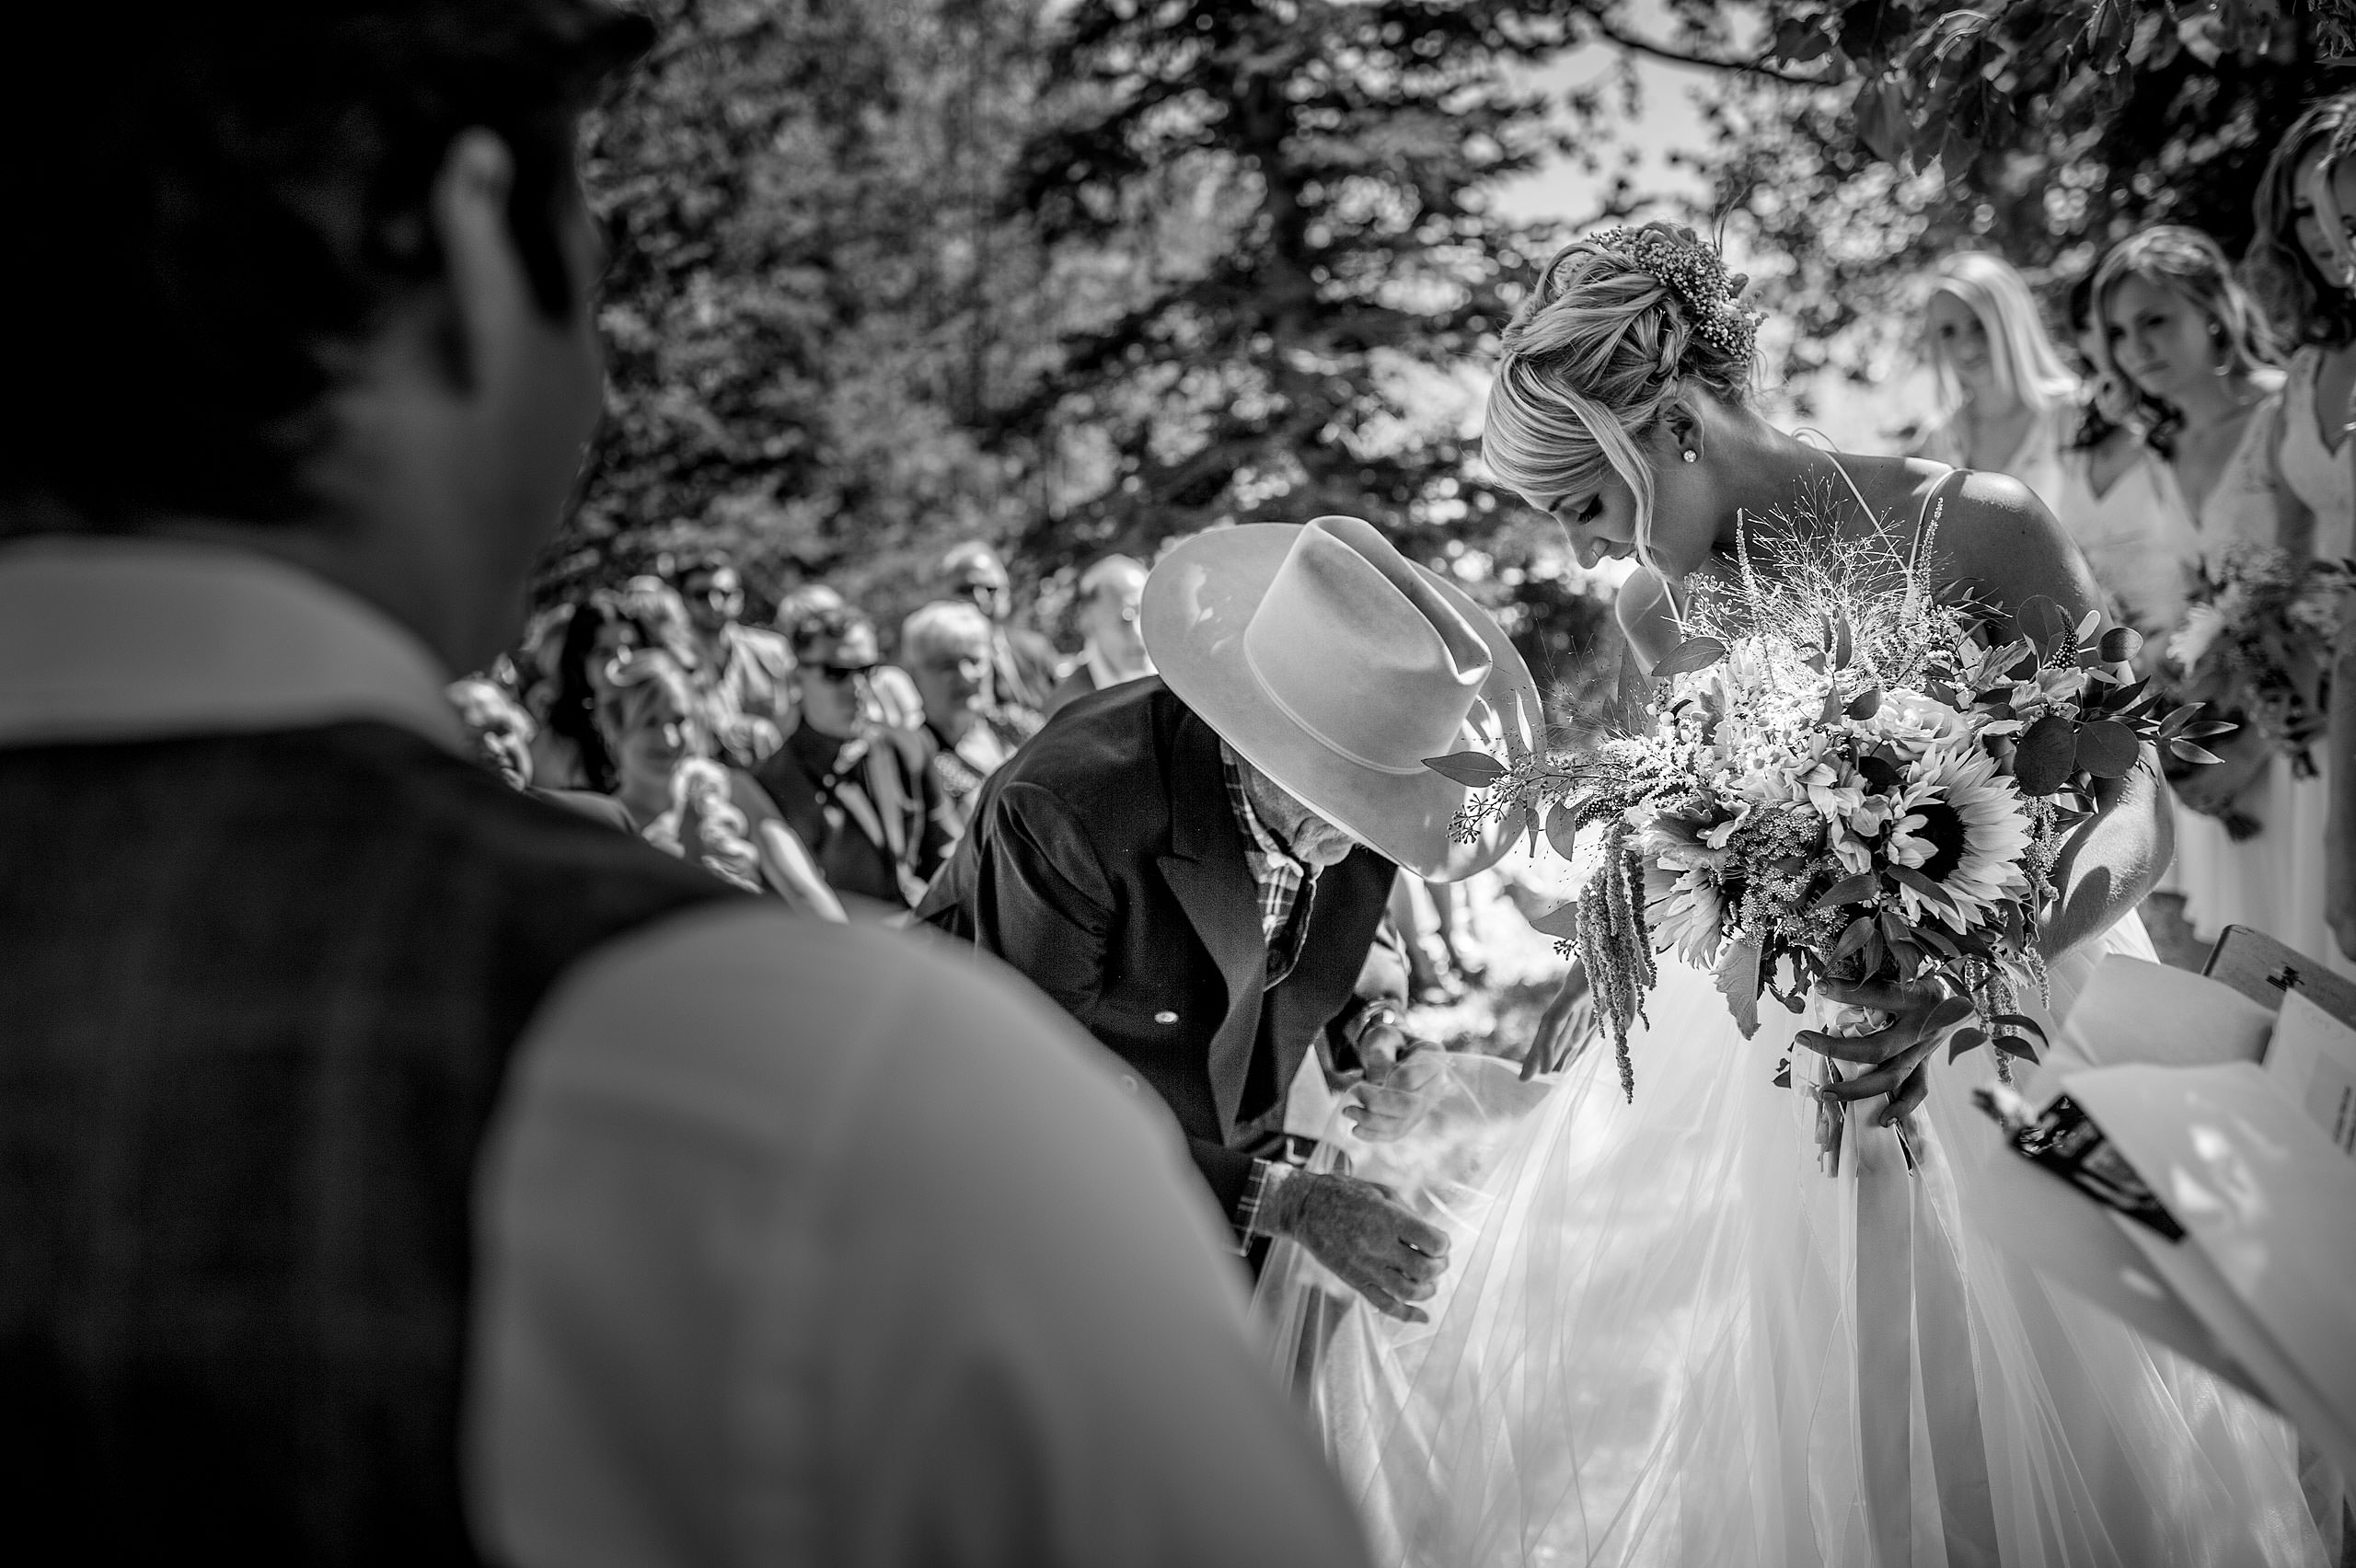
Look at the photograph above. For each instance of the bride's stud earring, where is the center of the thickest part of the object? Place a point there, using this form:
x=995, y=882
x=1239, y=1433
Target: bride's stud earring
x=1692, y=457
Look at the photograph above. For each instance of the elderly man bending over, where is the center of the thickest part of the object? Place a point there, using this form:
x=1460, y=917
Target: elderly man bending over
x=1195, y=865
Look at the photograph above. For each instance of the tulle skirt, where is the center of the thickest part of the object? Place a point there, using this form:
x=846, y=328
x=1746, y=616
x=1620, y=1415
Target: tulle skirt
x=1667, y=1336
x=2273, y=883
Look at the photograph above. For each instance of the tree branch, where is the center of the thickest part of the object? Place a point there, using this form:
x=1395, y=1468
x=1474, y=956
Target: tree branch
x=1610, y=33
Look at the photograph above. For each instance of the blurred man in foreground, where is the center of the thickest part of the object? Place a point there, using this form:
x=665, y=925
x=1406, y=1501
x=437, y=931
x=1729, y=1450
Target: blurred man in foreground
x=395, y=1168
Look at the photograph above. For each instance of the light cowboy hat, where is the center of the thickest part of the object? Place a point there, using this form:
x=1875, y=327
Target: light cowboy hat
x=1336, y=666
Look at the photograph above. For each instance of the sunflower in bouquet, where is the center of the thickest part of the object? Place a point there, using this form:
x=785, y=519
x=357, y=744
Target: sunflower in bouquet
x=2258, y=642
x=1842, y=776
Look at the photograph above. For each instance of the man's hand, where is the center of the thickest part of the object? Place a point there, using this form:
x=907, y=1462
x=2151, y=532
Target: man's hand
x=1364, y=1234
x=1921, y=1013
x=1404, y=1079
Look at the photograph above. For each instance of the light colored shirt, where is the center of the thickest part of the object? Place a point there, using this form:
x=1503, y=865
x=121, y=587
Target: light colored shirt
x=796, y=1243
x=1099, y=669
x=1279, y=878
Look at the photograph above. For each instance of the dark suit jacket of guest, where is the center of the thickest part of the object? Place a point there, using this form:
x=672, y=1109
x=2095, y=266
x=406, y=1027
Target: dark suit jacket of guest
x=1071, y=689
x=850, y=861
x=1105, y=863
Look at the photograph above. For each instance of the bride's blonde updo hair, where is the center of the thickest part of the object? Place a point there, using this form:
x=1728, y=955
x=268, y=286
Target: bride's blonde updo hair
x=1621, y=323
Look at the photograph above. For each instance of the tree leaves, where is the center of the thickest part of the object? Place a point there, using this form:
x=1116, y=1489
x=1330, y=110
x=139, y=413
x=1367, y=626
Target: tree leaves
x=1879, y=109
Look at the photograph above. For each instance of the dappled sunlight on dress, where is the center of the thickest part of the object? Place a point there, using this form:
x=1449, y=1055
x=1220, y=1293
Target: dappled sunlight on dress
x=1648, y=1345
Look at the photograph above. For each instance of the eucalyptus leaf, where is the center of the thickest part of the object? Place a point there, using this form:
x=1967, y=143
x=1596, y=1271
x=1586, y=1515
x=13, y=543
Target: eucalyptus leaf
x=1694, y=654
x=2107, y=749
x=2045, y=623
x=1472, y=770
x=2047, y=752
x=1562, y=922
x=1849, y=890
x=1737, y=978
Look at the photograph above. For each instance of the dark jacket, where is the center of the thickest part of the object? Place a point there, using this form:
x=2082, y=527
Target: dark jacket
x=1072, y=687
x=1105, y=863
x=879, y=830
x=260, y=992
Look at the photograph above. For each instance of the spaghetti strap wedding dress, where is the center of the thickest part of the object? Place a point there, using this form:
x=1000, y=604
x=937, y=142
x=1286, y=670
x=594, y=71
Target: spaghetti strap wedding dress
x=1667, y=1336
x=2274, y=881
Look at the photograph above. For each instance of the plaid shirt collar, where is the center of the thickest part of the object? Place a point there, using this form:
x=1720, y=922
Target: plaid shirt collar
x=1279, y=876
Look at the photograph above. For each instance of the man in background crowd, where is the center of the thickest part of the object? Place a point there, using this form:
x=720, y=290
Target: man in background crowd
x=1114, y=651
x=398, y=1169
x=862, y=795
x=947, y=644
x=742, y=670
x=1024, y=664
x=892, y=697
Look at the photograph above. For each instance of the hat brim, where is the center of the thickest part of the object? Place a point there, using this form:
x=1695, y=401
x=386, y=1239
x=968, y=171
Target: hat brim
x=1195, y=606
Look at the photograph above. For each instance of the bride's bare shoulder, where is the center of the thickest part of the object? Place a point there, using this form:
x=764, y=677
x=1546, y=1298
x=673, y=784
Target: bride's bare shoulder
x=1996, y=530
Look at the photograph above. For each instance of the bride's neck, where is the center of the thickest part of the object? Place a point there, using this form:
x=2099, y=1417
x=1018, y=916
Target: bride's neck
x=1766, y=463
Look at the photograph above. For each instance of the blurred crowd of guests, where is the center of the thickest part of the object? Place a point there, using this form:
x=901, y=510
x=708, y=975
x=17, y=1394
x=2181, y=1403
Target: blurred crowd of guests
x=2207, y=410
x=792, y=757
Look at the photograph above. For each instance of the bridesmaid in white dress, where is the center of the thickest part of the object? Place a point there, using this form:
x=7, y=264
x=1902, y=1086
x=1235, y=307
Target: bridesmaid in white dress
x=2186, y=339
x=2294, y=269
x=2117, y=501
x=2010, y=400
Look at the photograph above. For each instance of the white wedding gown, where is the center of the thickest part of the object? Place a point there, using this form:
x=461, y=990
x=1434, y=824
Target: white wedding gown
x=1647, y=1348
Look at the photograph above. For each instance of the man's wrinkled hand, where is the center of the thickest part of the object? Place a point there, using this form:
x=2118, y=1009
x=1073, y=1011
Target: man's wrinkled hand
x=1404, y=1079
x=1362, y=1233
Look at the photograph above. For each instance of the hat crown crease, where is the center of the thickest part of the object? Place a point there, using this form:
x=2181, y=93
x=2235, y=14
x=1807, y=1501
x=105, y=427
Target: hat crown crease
x=1352, y=646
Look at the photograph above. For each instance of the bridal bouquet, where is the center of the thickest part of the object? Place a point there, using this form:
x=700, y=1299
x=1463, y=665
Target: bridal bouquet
x=2261, y=637
x=1842, y=776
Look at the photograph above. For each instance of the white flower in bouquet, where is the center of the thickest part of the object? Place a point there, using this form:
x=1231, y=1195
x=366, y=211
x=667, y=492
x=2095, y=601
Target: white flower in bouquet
x=1688, y=910
x=2204, y=623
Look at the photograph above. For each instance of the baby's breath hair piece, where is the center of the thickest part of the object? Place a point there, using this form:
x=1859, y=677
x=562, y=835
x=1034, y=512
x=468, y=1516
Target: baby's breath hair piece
x=1700, y=278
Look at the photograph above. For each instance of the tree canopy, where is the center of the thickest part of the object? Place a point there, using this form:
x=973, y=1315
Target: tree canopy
x=1085, y=276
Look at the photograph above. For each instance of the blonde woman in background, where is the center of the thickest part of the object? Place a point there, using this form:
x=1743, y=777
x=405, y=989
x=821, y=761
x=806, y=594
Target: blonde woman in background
x=2330, y=188
x=2010, y=400
x=2118, y=503
x=2294, y=269
x=2180, y=333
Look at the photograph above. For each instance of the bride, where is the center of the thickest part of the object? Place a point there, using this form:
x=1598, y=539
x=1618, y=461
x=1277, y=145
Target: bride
x=1665, y=1336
